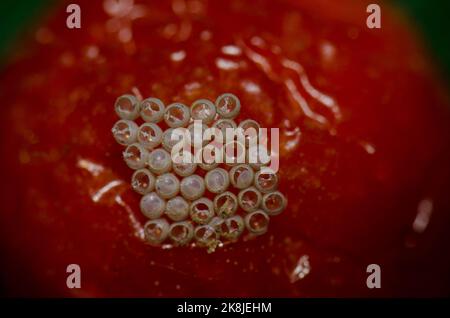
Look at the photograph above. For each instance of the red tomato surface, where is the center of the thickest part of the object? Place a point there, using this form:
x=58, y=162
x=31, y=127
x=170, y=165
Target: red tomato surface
x=364, y=129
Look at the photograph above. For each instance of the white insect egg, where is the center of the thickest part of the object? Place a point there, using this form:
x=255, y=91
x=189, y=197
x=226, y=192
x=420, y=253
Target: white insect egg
x=251, y=130
x=143, y=181
x=152, y=205
x=206, y=157
x=156, y=231
x=217, y=180
x=241, y=176
x=273, y=203
x=233, y=227
x=249, y=199
x=206, y=235
x=167, y=185
x=196, y=135
x=224, y=124
x=257, y=222
x=149, y=135
x=127, y=107
x=135, y=156
x=177, y=115
x=225, y=204
x=208, y=166
x=170, y=138
x=217, y=223
x=201, y=211
x=181, y=233
x=192, y=187
x=125, y=132
x=167, y=142
x=183, y=164
x=159, y=161
x=266, y=182
x=228, y=105
x=177, y=209
x=258, y=156
x=234, y=153
x=203, y=110
x=152, y=110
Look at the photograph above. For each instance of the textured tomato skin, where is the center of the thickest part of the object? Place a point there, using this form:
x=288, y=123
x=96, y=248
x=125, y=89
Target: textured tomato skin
x=354, y=171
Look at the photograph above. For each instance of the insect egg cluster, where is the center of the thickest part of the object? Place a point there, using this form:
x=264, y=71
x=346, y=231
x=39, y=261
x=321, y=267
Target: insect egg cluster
x=187, y=203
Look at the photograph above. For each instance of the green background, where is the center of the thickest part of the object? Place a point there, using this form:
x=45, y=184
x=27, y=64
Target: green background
x=431, y=16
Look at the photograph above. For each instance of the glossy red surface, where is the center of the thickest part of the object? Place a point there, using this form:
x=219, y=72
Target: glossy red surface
x=364, y=130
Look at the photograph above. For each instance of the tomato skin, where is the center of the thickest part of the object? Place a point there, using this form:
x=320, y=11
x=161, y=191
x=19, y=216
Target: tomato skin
x=354, y=172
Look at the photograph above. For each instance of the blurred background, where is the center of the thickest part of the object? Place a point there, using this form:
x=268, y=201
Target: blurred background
x=432, y=19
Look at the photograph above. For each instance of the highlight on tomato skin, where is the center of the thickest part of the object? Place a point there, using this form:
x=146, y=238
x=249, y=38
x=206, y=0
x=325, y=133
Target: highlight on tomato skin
x=364, y=127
